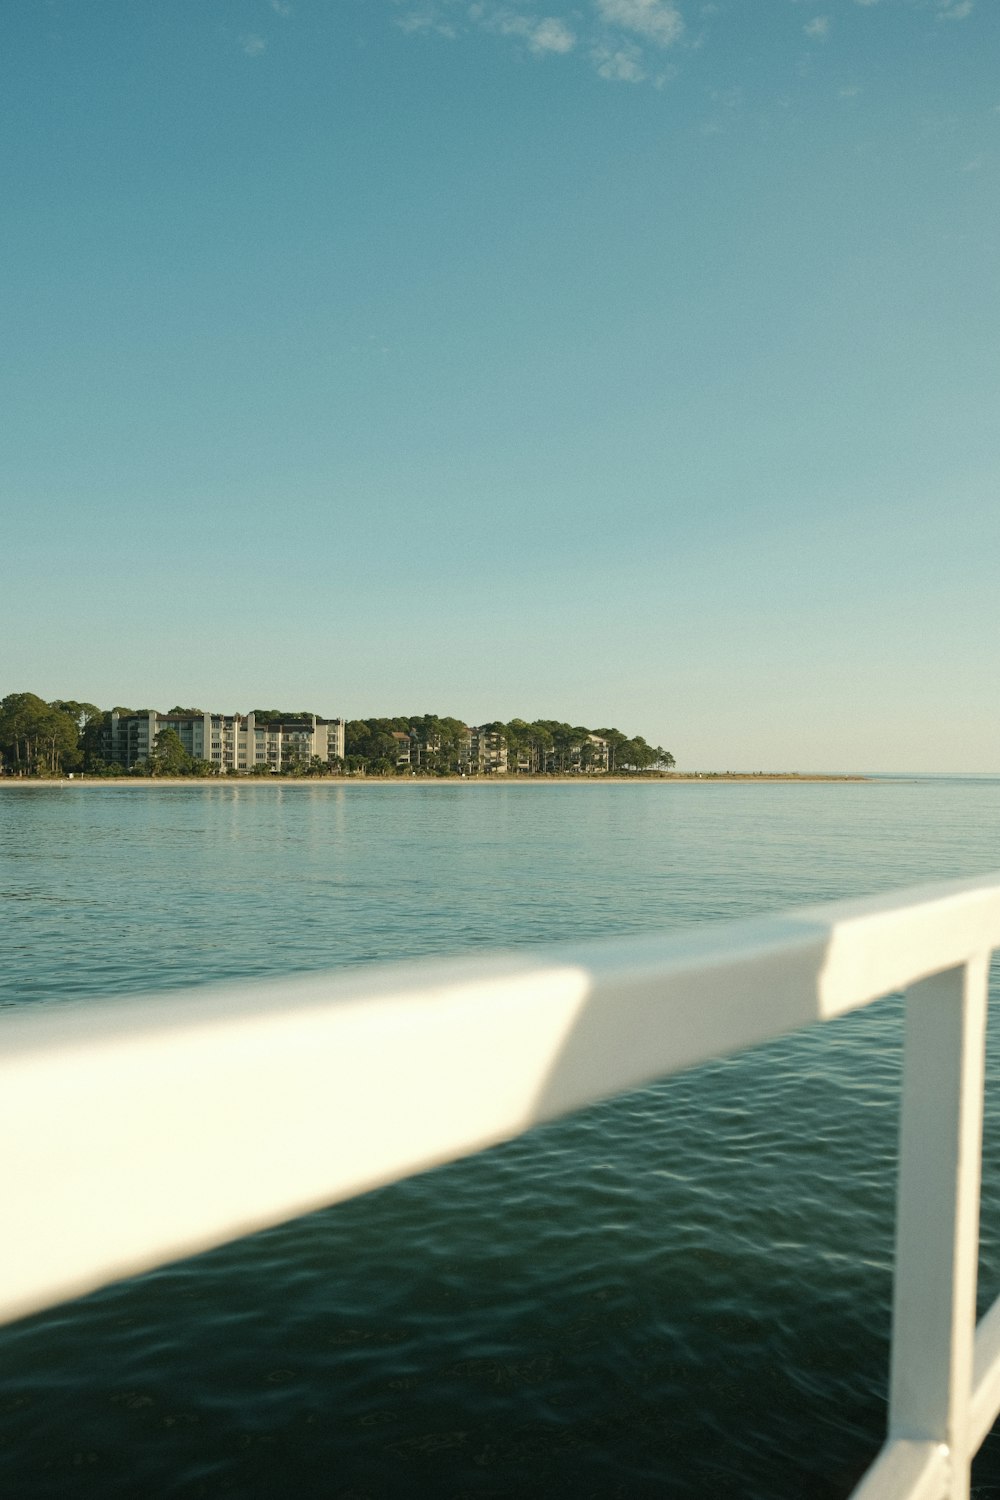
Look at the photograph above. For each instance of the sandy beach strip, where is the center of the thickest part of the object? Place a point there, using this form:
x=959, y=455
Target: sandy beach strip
x=190, y=783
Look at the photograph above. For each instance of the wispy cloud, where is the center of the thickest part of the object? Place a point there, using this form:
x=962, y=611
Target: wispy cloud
x=542, y=34
x=552, y=35
x=252, y=44
x=281, y=8
x=426, y=20
x=619, y=65
x=449, y=18
x=622, y=40
x=615, y=35
x=656, y=21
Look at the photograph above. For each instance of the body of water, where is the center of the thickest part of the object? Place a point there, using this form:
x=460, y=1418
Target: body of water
x=682, y=1292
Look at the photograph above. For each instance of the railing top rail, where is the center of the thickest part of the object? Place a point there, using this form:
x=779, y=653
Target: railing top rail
x=155, y=1127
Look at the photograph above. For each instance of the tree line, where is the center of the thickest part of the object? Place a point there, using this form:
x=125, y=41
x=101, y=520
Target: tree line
x=440, y=746
x=47, y=739
x=41, y=739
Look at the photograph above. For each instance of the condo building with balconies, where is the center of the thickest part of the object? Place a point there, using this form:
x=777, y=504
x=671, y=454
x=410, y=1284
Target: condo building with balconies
x=233, y=742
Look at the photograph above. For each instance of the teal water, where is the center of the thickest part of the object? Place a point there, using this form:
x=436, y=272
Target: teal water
x=683, y=1292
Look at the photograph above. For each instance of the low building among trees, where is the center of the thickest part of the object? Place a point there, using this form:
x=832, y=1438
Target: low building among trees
x=429, y=745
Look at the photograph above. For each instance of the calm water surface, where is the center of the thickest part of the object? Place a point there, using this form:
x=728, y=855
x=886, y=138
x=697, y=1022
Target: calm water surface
x=684, y=1292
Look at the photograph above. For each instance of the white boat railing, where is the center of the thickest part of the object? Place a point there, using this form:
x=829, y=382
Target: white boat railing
x=151, y=1128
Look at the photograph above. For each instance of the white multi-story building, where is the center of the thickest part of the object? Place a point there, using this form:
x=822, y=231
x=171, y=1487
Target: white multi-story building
x=233, y=742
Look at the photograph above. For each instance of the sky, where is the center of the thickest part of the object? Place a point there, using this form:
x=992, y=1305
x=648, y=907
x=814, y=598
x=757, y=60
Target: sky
x=619, y=362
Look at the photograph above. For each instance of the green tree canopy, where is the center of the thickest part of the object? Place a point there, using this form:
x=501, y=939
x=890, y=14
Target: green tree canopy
x=278, y=715
x=37, y=738
x=169, y=758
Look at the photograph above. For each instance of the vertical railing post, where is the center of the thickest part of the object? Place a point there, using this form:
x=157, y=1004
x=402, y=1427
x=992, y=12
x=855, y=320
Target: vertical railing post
x=937, y=1224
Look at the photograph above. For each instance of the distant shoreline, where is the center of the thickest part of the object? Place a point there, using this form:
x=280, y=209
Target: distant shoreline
x=153, y=783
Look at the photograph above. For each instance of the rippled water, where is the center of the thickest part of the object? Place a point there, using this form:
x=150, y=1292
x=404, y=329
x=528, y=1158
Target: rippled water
x=684, y=1292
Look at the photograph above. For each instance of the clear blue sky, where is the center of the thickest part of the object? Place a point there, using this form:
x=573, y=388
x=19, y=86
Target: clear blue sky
x=622, y=362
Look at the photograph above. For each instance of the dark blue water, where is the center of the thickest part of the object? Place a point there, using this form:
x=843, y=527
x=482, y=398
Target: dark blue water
x=684, y=1292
